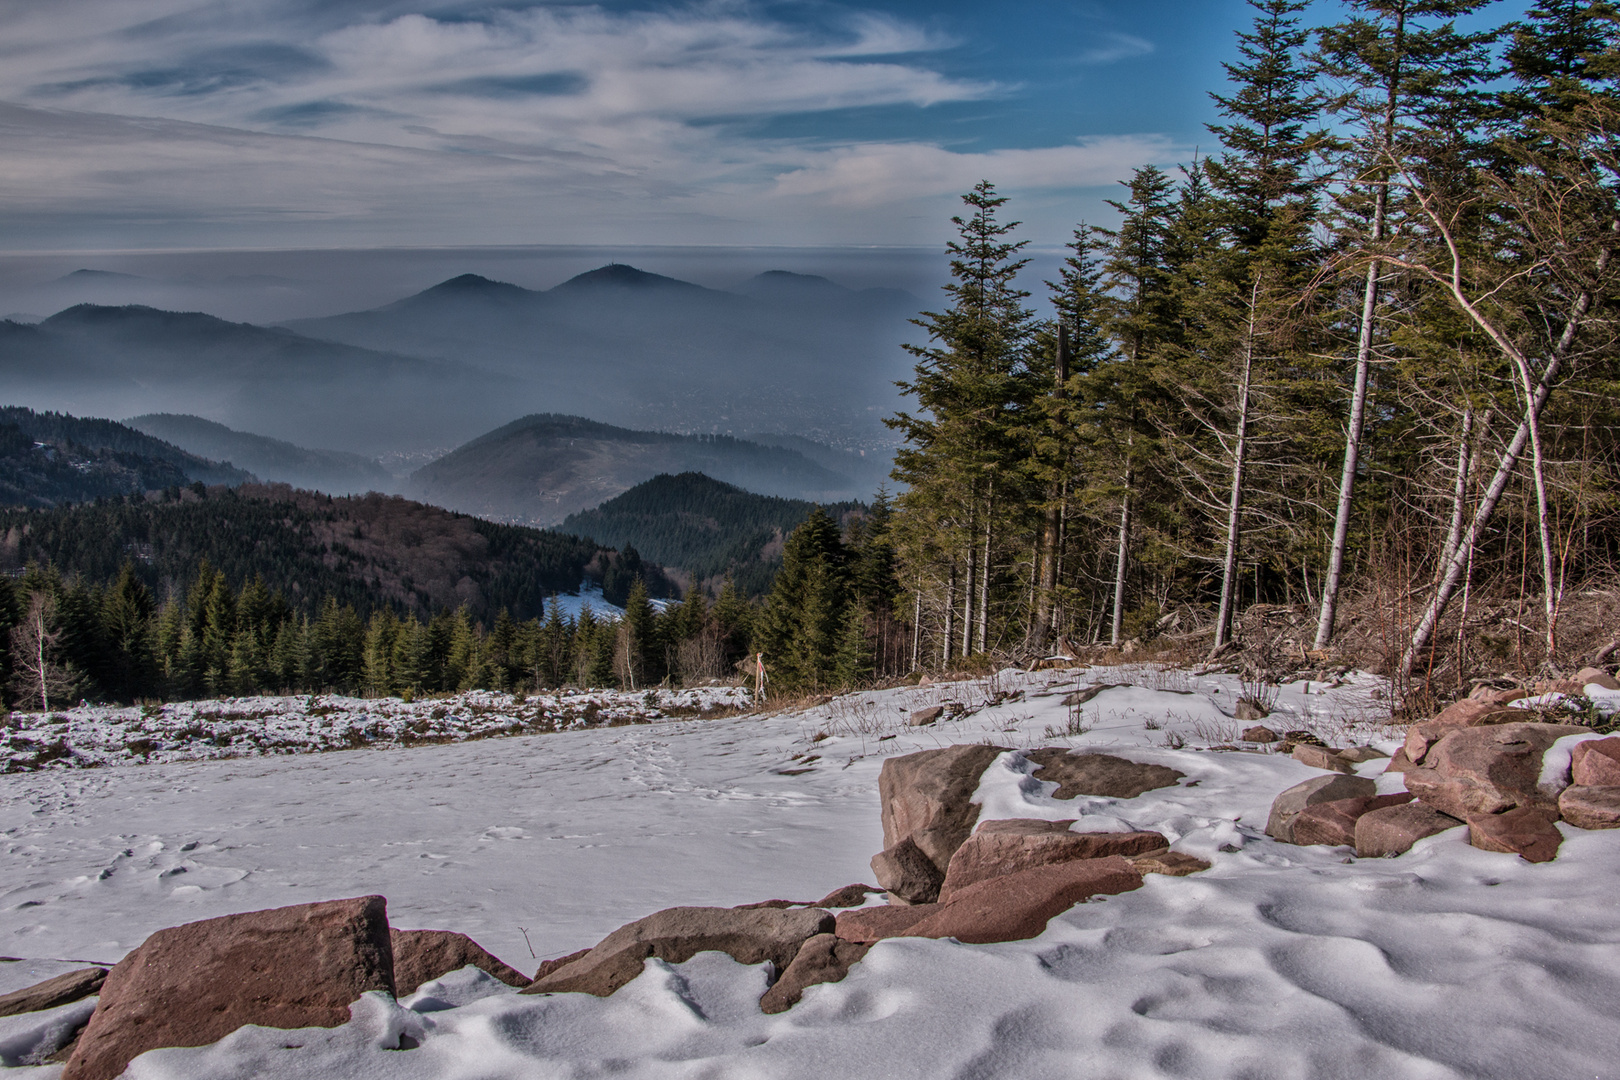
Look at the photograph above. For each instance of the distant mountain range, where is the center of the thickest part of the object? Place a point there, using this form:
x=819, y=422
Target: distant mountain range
x=52, y=459
x=334, y=472
x=542, y=468
x=702, y=527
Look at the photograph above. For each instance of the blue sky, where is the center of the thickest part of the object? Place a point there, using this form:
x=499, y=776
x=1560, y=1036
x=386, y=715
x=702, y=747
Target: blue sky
x=350, y=123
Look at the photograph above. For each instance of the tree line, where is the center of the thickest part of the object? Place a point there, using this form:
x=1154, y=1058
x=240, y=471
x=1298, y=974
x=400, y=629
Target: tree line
x=1363, y=353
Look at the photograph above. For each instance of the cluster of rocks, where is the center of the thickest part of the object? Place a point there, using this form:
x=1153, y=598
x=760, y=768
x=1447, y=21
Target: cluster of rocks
x=303, y=966
x=1482, y=763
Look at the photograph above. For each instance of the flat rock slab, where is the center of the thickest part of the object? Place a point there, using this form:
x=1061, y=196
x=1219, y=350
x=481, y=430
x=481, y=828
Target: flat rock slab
x=1321, y=757
x=998, y=848
x=192, y=985
x=848, y=896
x=871, y=924
x=62, y=990
x=1018, y=906
x=1102, y=775
x=1168, y=863
x=1596, y=763
x=1590, y=807
x=675, y=935
x=1524, y=831
x=906, y=871
x=1334, y=823
x=825, y=958
x=1394, y=829
x=925, y=798
x=1319, y=789
x=423, y=955
x=1486, y=770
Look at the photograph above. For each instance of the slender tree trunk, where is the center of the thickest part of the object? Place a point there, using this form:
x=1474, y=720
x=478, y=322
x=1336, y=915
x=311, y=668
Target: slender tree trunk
x=916, y=628
x=1123, y=552
x=984, y=573
x=948, y=638
x=1459, y=490
x=1046, y=552
x=1234, y=506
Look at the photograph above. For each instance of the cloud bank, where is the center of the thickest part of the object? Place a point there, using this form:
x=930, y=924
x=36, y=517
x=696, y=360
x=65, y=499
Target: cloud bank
x=291, y=122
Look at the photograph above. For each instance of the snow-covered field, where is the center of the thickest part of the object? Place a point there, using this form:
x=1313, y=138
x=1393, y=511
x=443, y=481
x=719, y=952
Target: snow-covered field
x=1280, y=962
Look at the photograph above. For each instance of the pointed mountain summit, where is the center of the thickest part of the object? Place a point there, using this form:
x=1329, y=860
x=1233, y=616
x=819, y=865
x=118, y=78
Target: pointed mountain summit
x=620, y=276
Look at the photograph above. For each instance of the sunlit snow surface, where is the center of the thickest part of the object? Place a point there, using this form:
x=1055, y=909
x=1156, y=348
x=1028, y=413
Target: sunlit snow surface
x=1280, y=962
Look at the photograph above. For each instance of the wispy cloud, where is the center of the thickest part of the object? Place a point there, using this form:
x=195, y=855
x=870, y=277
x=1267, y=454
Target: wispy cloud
x=376, y=116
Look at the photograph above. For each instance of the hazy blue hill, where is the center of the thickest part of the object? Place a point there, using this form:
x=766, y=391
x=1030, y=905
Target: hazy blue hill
x=48, y=459
x=699, y=525
x=332, y=471
x=642, y=350
x=136, y=359
x=542, y=468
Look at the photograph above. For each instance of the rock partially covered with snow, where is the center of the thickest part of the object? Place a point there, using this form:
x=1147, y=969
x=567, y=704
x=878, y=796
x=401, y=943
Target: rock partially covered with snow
x=1590, y=807
x=1486, y=770
x=62, y=990
x=675, y=935
x=1334, y=823
x=926, y=798
x=825, y=958
x=1101, y=775
x=1393, y=830
x=1525, y=831
x=423, y=955
x=1467, y=713
x=999, y=848
x=1286, y=807
x=191, y=985
x=1596, y=763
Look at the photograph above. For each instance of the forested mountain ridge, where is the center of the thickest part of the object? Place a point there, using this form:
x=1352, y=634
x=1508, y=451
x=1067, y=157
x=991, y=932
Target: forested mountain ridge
x=370, y=552
x=334, y=472
x=707, y=529
x=542, y=468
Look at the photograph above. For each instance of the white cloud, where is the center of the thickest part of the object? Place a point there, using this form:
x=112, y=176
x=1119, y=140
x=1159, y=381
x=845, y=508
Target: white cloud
x=371, y=122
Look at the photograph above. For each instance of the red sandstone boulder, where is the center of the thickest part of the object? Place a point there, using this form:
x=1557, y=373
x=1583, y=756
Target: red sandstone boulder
x=998, y=848
x=1486, y=770
x=825, y=958
x=925, y=798
x=1589, y=676
x=1524, y=831
x=1590, y=807
x=193, y=985
x=1467, y=713
x=423, y=955
x=1321, y=757
x=675, y=935
x=907, y=872
x=871, y=924
x=848, y=896
x=548, y=966
x=1596, y=763
x=1393, y=830
x=1334, y=823
x=1103, y=775
x=1019, y=905
x=1287, y=806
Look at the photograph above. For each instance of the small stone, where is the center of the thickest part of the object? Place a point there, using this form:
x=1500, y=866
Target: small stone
x=1394, y=829
x=1357, y=754
x=1248, y=710
x=1590, y=807
x=62, y=990
x=825, y=958
x=1524, y=831
x=1596, y=763
x=1318, y=757
x=1260, y=734
x=925, y=717
x=906, y=871
x=1285, y=807
x=1590, y=676
x=1169, y=863
x=1334, y=823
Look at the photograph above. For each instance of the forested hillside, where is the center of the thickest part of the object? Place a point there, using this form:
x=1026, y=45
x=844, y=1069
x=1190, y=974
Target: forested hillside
x=707, y=529
x=334, y=472
x=368, y=552
x=1361, y=361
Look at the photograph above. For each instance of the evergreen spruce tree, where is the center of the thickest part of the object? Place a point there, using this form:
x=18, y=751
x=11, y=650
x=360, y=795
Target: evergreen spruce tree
x=799, y=629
